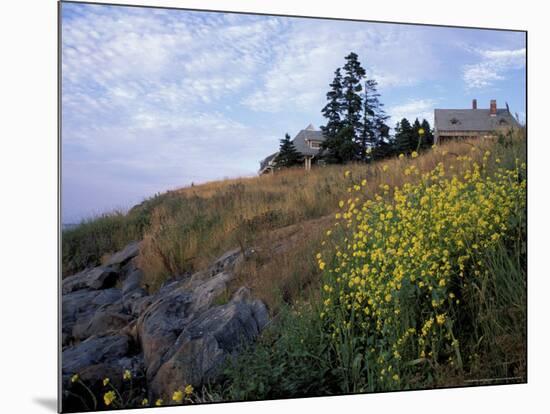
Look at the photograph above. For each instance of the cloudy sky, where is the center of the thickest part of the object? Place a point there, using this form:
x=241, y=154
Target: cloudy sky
x=156, y=99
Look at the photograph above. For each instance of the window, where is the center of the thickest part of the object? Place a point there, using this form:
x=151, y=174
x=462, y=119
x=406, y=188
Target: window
x=314, y=144
x=455, y=121
x=503, y=121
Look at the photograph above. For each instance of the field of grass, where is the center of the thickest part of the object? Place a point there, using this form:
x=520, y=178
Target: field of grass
x=422, y=285
x=405, y=273
x=185, y=229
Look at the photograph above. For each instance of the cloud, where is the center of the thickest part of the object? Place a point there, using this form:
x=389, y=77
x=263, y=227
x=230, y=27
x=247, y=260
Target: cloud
x=153, y=99
x=493, y=67
x=419, y=108
x=305, y=60
x=141, y=96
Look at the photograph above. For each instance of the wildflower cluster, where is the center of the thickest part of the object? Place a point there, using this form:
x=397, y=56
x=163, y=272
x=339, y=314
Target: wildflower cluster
x=118, y=398
x=394, y=285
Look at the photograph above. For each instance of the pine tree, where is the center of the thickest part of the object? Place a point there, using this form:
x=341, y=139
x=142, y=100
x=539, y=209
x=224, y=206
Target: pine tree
x=384, y=149
x=332, y=110
x=416, y=136
x=404, y=139
x=288, y=155
x=352, y=101
x=373, y=126
x=428, y=139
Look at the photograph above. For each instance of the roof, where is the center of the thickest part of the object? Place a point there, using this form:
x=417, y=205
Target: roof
x=472, y=120
x=308, y=134
x=265, y=162
x=300, y=143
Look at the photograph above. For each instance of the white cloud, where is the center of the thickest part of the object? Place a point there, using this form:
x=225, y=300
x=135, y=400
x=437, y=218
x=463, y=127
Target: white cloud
x=420, y=108
x=305, y=60
x=493, y=67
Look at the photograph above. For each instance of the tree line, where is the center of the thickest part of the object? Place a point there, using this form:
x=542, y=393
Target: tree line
x=356, y=127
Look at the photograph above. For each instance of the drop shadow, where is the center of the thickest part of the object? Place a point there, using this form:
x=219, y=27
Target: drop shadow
x=48, y=403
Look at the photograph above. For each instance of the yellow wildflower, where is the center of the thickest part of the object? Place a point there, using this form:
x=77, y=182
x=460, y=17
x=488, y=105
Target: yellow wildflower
x=159, y=402
x=188, y=390
x=75, y=378
x=105, y=381
x=177, y=396
x=109, y=397
x=127, y=375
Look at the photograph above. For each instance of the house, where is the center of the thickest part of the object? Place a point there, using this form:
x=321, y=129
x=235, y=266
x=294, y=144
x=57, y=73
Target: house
x=307, y=142
x=472, y=123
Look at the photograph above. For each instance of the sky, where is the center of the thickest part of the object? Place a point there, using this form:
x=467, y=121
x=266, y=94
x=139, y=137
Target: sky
x=157, y=99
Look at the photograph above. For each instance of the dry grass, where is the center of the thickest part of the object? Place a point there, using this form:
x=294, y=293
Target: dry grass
x=191, y=226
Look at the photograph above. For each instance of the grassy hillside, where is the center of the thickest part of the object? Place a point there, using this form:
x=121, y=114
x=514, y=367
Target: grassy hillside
x=421, y=285
x=185, y=229
x=405, y=273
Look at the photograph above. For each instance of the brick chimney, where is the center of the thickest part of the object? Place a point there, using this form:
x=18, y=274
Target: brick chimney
x=493, y=107
x=474, y=103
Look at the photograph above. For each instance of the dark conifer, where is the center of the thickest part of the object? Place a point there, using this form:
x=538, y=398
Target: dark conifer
x=288, y=155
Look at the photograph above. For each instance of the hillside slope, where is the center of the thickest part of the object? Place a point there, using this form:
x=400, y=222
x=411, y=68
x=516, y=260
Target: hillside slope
x=186, y=229
x=405, y=273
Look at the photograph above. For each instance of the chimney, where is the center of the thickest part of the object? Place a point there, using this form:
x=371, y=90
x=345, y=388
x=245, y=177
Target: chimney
x=474, y=103
x=493, y=107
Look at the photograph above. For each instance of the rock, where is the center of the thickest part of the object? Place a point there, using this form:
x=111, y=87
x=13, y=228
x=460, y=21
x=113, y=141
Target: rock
x=137, y=301
x=105, y=319
x=174, y=337
x=100, y=277
x=205, y=293
x=93, y=360
x=81, y=306
x=122, y=257
x=132, y=281
x=207, y=341
x=226, y=262
x=160, y=324
x=94, y=351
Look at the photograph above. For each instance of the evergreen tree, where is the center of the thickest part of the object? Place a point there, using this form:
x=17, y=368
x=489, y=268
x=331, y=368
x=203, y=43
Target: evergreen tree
x=373, y=126
x=356, y=122
x=352, y=101
x=288, y=155
x=416, y=136
x=404, y=138
x=332, y=110
x=341, y=148
x=384, y=149
x=428, y=139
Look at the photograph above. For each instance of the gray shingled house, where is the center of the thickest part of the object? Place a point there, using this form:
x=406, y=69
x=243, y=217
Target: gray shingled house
x=307, y=142
x=472, y=123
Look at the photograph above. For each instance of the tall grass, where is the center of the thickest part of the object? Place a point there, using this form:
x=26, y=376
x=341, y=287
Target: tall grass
x=185, y=229
x=463, y=325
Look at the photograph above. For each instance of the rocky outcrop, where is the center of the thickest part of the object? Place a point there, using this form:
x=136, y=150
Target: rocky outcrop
x=207, y=340
x=124, y=256
x=100, y=277
x=179, y=335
